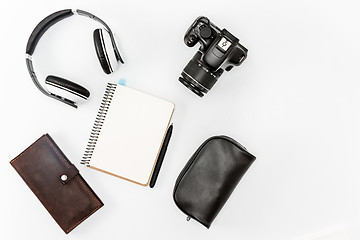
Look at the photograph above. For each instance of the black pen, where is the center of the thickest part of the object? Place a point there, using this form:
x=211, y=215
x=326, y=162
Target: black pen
x=161, y=157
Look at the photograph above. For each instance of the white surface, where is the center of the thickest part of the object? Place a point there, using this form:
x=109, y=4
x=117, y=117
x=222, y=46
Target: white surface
x=333, y=234
x=131, y=136
x=294, y=103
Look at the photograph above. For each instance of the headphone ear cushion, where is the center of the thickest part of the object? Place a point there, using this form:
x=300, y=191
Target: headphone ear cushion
x=67, y=86
x=101, y=51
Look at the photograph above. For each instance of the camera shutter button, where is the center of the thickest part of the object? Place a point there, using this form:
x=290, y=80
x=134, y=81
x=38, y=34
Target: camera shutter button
x=205, y=31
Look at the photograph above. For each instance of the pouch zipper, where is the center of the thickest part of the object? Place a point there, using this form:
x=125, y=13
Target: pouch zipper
x=234, y=142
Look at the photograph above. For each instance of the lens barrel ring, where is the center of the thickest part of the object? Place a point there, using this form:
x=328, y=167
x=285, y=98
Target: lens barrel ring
x=197, y=77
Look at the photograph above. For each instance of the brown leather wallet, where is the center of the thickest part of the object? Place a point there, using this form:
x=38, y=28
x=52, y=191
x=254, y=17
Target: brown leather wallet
x=56, y=182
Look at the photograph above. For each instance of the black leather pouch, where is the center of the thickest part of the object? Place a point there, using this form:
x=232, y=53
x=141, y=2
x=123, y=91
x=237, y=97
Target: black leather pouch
x=209, y=178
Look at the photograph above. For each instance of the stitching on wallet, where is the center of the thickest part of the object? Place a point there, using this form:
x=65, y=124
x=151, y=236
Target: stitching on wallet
x=75, y=225
x=81, y=183
x=57, y=153
x=94, y=198
x=78, y=178
x=25, y=150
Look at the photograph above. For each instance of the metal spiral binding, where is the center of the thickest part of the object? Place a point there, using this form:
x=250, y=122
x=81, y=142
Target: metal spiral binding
x=99, y=121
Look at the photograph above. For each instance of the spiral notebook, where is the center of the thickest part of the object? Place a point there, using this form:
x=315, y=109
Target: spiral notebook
x=128, y=133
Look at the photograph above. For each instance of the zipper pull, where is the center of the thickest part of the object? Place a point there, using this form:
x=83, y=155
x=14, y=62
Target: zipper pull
x=188, y=218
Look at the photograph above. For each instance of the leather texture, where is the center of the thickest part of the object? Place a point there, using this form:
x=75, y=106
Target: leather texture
x=44, y=25
x=42, y=166
x=68, y=86
x=101, y=51
x=209, y=178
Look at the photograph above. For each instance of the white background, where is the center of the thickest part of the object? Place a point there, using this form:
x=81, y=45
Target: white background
x=294, y=103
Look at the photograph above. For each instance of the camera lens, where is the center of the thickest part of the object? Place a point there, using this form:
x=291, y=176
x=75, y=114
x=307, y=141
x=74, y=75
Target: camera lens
x=197, y=77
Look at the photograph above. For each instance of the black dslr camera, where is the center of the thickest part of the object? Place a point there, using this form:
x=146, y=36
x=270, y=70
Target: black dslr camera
x=219, y=50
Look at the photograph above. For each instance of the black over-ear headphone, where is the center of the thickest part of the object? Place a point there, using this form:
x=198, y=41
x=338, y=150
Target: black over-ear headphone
x=60, y=83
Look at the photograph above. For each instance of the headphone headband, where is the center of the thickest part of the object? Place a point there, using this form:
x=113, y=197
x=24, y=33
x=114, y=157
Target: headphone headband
x=42, y=27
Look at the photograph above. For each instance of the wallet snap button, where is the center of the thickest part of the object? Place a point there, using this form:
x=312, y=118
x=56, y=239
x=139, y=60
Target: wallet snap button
x=63, y=177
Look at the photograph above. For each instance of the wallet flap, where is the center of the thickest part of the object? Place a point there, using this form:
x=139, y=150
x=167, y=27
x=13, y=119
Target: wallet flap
x=68, y=174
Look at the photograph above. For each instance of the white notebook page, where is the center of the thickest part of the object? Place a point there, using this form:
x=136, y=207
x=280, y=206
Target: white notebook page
x=132, y=134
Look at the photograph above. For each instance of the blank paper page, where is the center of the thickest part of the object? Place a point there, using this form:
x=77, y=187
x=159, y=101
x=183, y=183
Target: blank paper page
x=132, y=134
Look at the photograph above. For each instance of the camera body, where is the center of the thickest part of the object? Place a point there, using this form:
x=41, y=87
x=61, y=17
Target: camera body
x=219, y=50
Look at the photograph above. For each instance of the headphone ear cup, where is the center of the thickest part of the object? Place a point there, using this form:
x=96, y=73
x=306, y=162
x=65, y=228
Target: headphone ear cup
x=67, y=86
x=101, y=51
